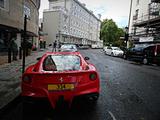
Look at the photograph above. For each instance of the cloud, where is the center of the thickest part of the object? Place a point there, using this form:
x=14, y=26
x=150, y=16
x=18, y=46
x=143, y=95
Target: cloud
x=118, y=10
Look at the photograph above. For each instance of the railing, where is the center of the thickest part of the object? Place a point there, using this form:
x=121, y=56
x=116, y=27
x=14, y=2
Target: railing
x=154, y=9
x=144, y=18
x=153, y=12
x=141, y=19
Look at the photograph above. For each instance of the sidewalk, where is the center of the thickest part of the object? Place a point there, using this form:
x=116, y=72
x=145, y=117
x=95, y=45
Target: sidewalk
x=10, y=74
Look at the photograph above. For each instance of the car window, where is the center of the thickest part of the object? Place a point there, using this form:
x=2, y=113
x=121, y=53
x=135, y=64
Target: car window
x=109, y=48
x=49, y=64
x=116, y=48
x=66, y=62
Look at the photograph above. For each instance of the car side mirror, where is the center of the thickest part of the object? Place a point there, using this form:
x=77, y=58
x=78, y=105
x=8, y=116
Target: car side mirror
x=38, y=58
x=86, y=58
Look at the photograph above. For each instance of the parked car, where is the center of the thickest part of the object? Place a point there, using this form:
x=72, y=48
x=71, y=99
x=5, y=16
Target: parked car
x=68, y=48
x=94, y=46
x=84, y=47
x=61, y=77
x=144, y=54
x=113, y=51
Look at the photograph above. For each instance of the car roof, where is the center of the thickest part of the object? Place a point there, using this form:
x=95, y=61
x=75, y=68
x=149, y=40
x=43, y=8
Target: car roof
x=68, y=44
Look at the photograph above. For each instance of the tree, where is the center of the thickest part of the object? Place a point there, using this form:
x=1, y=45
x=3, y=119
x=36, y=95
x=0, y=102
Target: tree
x=110, y=33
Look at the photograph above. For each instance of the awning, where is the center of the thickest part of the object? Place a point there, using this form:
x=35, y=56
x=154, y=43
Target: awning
x=8, y=28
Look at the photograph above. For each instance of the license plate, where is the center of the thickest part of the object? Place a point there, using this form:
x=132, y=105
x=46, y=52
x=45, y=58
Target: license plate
x=58, y=87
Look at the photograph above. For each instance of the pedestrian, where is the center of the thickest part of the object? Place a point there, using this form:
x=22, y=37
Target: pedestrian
x=54, y=46
x=59, y=46
x=14, y=48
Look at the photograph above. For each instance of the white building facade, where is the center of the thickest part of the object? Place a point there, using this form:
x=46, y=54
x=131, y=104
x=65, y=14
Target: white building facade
x=69, y=21
x=145, y=21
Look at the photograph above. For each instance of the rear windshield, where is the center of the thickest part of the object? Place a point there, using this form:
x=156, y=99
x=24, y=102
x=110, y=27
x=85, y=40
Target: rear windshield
x=61, y=63
x=116, y=48
x=68, y=46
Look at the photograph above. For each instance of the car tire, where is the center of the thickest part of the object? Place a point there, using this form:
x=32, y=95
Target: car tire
x=125, y=57
x=145, y=61
x=27, y=108
x=112, y=54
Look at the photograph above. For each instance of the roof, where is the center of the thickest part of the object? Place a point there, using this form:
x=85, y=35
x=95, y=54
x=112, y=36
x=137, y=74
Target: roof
x=86, y=9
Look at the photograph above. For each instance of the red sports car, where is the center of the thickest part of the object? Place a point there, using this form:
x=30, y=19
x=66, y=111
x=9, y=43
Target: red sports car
x=61, y=76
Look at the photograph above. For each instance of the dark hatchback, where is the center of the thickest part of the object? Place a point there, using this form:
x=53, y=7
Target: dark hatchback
x=144, y=54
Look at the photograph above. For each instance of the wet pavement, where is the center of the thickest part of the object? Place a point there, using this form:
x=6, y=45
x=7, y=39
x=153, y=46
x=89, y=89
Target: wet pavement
x=129, y=91
x=10, y=77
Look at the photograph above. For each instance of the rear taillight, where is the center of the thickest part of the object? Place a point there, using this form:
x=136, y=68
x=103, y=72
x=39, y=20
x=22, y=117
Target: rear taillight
x=93, y=76
x=27, y=79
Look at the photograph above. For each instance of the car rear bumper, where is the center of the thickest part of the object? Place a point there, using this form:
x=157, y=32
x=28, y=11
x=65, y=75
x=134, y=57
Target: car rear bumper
x=118, y=54
x=55, y=96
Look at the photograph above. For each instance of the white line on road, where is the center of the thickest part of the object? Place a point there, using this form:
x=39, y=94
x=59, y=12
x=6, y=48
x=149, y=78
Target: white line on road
x=112, y=115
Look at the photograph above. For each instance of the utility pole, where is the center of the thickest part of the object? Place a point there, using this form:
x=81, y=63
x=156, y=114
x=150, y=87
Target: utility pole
x=130, y=14
x=127, y=32
x=26, y=16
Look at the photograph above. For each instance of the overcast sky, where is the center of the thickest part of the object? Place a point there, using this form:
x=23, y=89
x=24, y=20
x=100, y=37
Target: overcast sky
x=118, y=10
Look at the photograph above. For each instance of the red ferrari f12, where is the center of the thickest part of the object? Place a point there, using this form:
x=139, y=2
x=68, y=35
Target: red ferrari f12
x=61, y=76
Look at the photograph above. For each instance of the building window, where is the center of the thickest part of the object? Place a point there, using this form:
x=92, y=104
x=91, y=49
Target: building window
x=2, y=4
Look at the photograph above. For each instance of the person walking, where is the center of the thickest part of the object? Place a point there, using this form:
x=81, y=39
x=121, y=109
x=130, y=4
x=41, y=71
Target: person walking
x=54, y=46
x=14, y=48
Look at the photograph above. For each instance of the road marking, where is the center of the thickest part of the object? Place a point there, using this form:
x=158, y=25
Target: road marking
x=112, y=115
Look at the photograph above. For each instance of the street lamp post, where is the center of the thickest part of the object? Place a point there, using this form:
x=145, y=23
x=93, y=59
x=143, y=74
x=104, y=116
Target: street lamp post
x=26, y=16
x=126, y=36
x=24, y=43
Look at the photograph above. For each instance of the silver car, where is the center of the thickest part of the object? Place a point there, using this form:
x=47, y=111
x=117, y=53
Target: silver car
x=68, y=48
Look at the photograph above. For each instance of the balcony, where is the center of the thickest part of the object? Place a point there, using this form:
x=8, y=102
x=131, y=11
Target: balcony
x=156, y=1
x=147, y=20
x=155, y=13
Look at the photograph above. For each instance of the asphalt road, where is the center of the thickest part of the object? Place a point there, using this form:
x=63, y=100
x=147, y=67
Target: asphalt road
x=129, y=91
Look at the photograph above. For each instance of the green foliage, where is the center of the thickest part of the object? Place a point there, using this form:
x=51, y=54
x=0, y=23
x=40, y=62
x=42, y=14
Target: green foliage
x=110, y=33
